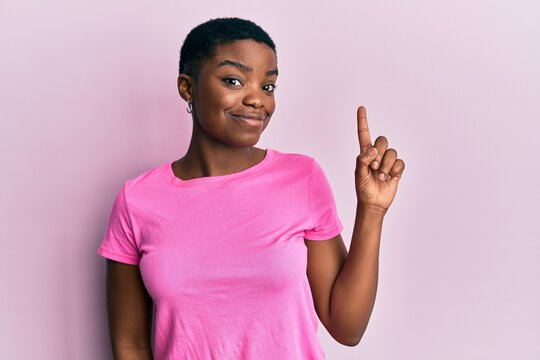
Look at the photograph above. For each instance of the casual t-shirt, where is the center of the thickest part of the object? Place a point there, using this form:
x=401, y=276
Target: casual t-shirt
x=224, y=259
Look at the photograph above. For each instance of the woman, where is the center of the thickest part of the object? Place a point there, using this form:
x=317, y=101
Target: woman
x=220, y=239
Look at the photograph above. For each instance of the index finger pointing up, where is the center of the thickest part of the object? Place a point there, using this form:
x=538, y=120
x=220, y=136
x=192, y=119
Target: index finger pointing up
x=363, y=130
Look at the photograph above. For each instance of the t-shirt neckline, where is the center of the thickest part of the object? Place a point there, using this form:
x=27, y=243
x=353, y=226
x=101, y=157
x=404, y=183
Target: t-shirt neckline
x=217, y=180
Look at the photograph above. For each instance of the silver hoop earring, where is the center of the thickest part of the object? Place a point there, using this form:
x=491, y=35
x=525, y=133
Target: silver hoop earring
x=189, y=106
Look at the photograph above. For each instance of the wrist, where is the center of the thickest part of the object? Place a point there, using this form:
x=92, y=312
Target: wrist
x=371, y=210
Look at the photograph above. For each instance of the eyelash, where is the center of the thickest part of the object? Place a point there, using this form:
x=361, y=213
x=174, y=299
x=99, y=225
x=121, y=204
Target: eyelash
x=230, y=80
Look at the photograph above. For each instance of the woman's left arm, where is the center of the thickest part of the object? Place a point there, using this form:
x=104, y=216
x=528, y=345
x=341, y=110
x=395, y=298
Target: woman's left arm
x=344, y=288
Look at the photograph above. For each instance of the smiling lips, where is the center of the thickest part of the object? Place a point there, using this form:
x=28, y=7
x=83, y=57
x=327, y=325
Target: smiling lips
x=252, y=119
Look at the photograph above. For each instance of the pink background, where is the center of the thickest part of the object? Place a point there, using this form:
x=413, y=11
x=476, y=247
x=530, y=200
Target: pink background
x=88, y=99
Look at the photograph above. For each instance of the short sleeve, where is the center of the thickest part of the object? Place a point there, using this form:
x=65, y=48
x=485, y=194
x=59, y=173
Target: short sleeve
x=119, y=242
x=322, y=205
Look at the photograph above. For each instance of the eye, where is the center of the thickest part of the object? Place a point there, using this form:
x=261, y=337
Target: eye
x=270, y=87
x=232, y=81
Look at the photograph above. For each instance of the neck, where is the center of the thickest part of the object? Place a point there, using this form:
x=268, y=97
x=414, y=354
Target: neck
x=204, y=159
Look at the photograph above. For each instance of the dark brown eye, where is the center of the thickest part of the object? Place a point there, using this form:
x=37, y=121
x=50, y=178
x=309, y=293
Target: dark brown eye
x=269, y=87
x=232, y=81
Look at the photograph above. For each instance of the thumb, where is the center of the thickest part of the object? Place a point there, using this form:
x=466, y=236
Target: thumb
x=364, y=159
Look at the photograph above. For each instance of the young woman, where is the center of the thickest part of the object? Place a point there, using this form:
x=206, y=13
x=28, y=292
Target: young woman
x=239, y=248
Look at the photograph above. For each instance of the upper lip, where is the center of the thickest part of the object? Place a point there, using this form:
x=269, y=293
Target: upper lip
x=251, y=115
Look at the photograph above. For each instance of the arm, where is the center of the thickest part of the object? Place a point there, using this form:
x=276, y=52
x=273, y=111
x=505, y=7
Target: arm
x=129, y=308
x=344, y=285
x=353, y=294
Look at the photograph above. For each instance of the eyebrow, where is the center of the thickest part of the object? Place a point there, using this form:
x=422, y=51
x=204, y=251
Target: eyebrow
x=243, y=67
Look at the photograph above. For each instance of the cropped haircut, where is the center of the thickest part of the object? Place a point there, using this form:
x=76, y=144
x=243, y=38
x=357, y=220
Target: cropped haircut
x=202, y=41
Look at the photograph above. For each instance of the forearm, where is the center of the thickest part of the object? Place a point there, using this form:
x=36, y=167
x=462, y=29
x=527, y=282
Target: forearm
x=133, y=354
x=354, y=291
x=133, y=348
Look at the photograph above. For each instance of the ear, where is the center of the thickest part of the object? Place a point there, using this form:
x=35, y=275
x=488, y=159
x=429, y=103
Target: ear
x=185, y=86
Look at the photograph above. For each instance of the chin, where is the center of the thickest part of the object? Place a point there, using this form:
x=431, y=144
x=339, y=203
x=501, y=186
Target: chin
x=246, y=142
x=250, y=144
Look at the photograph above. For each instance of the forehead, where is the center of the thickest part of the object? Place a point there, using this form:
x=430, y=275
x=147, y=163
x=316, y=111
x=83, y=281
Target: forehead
x=258, y=56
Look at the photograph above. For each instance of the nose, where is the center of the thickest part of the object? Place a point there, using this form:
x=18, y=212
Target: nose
x=253, y=97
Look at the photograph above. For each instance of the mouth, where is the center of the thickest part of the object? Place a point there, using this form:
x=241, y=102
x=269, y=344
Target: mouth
x=250, y=119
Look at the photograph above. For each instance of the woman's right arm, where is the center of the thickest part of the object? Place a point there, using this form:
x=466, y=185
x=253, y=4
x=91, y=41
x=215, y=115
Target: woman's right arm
x=130, y=311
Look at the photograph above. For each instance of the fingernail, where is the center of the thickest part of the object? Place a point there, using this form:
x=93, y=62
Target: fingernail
x=389, y=178
x=382, y=176
x=371, y=151
x=375, y=165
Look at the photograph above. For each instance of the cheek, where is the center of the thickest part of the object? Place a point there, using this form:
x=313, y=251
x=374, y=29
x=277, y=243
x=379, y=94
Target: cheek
x=229, y=100
x=222, y=100
x=271, y=104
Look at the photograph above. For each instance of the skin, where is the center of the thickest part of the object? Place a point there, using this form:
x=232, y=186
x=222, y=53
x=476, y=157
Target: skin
x=130, y=311
x=343, y=284
x=220, y=144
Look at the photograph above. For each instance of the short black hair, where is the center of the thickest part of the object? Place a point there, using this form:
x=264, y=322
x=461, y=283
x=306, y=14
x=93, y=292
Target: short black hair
x=203, y=40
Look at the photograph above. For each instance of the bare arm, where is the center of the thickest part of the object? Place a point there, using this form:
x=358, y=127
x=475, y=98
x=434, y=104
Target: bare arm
x=353, y=294
x=129, y=308
x=344, y=285
x=377, y=175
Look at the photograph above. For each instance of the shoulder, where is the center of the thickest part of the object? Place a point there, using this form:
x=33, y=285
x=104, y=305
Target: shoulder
x=294, y=160
x=141, y=184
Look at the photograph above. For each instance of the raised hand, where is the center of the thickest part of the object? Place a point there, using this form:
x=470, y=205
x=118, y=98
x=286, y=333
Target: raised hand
x=378, y=170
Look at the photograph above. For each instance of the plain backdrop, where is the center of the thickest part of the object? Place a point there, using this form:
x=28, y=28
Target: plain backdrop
x=88, y=99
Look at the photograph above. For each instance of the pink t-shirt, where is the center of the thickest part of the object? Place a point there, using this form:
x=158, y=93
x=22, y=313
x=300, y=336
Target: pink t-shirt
x=224, y=259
